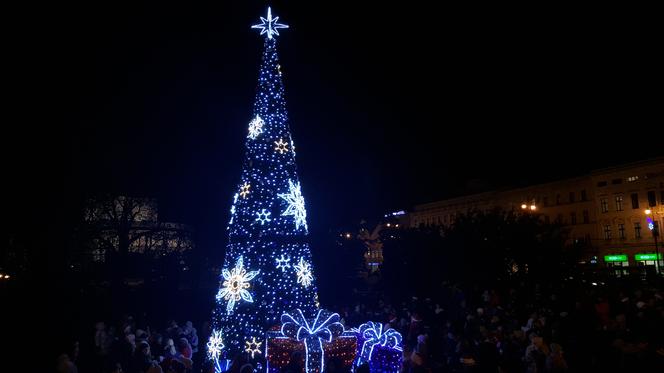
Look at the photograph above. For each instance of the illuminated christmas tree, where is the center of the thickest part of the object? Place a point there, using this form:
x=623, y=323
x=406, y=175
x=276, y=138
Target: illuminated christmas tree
x=267, y=269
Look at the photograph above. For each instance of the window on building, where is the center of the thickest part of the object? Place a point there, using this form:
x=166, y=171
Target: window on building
x=557, y=199
x=586, y=217
x=546, y=219
x=584, y=196
x=616, y=181
x=637, y=230
x=559, y=219
x=545, y=200
x=652, y=199
x=619, y=203
x=601, y=184
x=604, y=203
x=607, y=232
x=621, y=231
x=572, y=218
x=572, y=197
x=635, y=201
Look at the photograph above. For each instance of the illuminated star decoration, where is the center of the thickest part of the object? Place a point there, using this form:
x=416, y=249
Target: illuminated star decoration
x=244, y=190
x=269, y=25
x=215, y=345
x=255, y=127
x=304, y=275
x=295, y=202
x=283, y=263
x=253, y=347
x=281, y=146
x=235, y=285
x=263, y=216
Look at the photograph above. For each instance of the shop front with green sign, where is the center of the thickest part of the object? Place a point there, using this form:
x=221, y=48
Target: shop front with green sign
x=647, y=260
x=615, y=258
x=618, y=264
x=650, y=256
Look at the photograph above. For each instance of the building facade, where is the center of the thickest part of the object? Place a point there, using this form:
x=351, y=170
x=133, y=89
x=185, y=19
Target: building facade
x=610, y=209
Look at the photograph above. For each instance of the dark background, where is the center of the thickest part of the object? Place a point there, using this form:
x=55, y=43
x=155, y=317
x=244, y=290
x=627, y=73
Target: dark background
x=391, y=105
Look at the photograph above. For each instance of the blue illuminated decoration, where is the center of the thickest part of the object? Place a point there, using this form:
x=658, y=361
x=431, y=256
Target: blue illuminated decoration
x=283, y=263
x=269, y=25
x=323, y=328
x=263, y=216
x=651, y=223
x=267, y=228
x=372, y=335
x=295, y=207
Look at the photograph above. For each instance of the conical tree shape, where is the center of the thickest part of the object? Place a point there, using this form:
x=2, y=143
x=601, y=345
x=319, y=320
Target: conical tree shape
x=267, y=269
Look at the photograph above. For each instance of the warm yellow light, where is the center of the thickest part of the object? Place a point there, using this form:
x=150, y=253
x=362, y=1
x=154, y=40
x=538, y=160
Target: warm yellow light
x=533, y=207
x=389, y=225
x=6, y=276
x=524, y=206
x=648, y=212
x=347, y=235
x=396, y=225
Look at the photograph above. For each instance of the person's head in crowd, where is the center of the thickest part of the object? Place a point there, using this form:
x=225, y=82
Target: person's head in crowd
x=175, y=366
x=183, y=343
x=144, y=348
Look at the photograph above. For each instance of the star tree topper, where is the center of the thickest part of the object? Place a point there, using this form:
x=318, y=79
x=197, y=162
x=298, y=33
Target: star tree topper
x=269, y=25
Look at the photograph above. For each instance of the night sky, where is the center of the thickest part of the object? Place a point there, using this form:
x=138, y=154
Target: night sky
x=390, y=105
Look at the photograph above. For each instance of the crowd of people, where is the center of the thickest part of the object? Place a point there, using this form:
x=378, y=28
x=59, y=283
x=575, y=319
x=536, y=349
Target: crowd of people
x=515, y=328
x=527, y=328
x=126, y=348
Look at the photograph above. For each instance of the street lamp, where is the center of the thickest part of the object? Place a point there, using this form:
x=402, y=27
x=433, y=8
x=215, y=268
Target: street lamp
x=652, y=225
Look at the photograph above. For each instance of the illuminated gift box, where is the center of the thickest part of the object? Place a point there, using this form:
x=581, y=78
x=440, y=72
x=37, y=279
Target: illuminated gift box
x=318, y=340
x=380, y=348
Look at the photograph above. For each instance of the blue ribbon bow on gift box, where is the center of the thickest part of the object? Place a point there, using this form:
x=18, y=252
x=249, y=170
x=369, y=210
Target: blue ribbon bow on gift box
x=373, y=335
